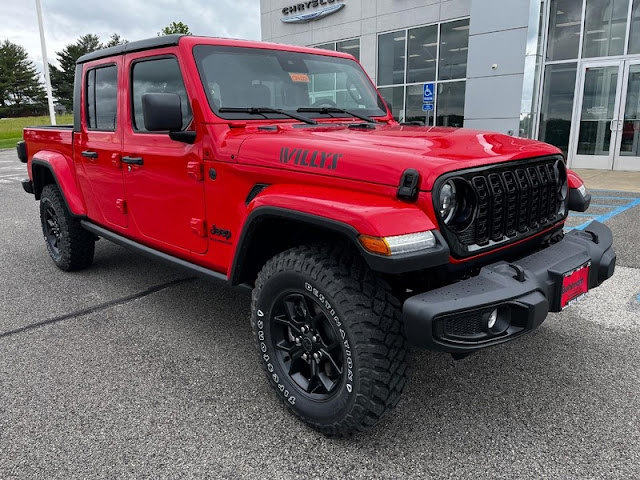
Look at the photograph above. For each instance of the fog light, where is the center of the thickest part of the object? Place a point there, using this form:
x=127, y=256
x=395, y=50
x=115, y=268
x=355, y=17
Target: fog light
x=493, y=318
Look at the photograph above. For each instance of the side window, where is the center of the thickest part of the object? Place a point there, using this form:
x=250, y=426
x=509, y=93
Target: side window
x=102, y=98
x=161, y=75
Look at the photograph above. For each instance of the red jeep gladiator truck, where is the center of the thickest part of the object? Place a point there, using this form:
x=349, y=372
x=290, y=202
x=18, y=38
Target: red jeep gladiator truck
x=282, y=169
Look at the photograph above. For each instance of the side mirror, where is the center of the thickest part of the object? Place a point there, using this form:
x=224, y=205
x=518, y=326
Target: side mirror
x=162, y=112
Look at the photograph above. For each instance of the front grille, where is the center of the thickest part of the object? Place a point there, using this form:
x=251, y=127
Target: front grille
x=513, y=201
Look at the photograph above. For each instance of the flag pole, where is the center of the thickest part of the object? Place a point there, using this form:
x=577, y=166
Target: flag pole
x=47, y=80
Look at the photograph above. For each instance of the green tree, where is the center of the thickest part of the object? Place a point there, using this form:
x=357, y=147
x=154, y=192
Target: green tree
x=115, y=40
x=62, y=78
x=175, y=27
x=19, y=80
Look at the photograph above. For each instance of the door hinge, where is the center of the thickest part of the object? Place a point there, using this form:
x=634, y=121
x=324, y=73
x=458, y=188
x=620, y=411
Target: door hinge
x=196, y=171
x=199, y=227
x=121, y=204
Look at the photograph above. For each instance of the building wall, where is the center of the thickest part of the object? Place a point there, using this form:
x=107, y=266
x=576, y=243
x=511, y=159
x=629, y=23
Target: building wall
x=500, y=31
x=496, y=64
x=360, y=18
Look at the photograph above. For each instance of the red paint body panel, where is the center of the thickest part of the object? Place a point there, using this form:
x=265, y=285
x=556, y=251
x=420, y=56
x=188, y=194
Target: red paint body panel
x=382, y=155
x=332, y=171
x=62, y=166
x=574, y=179
x=369, y=214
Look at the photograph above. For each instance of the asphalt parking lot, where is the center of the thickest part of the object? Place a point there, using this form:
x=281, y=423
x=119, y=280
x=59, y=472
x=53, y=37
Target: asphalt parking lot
x=132, y=369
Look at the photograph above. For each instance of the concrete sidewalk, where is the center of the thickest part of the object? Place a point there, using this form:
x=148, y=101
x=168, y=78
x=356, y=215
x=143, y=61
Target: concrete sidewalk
x=610, y=180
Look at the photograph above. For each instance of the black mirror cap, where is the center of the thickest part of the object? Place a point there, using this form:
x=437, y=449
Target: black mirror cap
x=162, y=112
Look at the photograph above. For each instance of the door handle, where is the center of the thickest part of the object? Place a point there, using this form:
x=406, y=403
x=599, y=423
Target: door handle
x=90, y=154
x=132, y=160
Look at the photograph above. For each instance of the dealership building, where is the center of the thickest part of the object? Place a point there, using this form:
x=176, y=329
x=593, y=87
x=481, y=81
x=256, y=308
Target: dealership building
x=563, y=71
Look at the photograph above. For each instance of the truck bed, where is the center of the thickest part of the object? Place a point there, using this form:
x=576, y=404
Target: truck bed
x=57, y=138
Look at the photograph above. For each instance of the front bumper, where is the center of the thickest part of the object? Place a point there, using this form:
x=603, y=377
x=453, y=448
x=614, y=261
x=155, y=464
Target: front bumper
x=454, y=318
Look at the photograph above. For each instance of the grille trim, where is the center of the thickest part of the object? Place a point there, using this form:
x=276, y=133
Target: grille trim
x=514, y=201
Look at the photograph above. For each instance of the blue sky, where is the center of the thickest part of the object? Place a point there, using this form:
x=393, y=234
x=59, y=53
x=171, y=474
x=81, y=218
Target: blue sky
x=66, y=20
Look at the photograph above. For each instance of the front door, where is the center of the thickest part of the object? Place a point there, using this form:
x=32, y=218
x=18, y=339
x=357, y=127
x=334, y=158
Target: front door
x=163, y=177
x=607, y=120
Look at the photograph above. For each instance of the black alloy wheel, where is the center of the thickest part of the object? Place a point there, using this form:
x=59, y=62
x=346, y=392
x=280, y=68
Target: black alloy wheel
x=52, y=231
x=308, y=345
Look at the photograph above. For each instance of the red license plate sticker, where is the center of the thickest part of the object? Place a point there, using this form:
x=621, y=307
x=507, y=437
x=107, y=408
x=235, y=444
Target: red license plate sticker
x=574, y=285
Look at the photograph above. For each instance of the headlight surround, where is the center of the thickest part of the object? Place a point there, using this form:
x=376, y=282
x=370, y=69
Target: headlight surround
x=447, y=202
x=398, y=245
x=456, y=204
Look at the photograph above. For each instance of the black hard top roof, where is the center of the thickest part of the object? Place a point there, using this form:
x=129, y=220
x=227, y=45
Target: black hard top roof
x=146, y=44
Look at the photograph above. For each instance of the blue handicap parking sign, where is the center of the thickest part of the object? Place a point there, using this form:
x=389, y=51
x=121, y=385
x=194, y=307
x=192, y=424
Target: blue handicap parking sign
x=428, y=92
x=427, y=107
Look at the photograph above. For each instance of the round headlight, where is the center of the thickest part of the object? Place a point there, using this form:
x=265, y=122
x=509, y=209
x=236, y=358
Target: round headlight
x=448, y=203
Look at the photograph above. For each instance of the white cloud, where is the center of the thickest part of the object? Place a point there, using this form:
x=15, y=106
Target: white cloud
x=66, y=20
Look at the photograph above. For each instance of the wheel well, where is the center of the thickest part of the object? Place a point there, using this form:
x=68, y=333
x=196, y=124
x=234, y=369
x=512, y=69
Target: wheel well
x=268, y=236
x=41, y=176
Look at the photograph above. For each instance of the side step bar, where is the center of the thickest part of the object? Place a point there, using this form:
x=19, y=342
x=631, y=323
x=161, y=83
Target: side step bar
x=152, y=253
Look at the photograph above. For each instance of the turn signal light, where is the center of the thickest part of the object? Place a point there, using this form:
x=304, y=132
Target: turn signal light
x=375, y=245
x=399, y=244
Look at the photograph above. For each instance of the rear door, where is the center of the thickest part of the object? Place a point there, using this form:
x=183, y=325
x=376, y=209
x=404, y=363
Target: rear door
x=165, y=186
x=101, y=142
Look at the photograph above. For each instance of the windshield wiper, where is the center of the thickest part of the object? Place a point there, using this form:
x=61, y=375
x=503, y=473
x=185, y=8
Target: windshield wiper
x=264, y=110
x=329, y=110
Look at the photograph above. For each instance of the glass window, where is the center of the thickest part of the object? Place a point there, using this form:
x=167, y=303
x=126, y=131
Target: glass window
x=161, y=75
x=631, y=126
x=423, y=54
x=327, y=46
x=557, y=105
x=414, y=103
x=454, y=46
x=634, y=38
x=565, y=21
x=450, y=104
x=394, y=96
x=102, y=98
x=605, y=28
x=236, y=77
x=598, y=108
x=351, y=47
x=391, y=56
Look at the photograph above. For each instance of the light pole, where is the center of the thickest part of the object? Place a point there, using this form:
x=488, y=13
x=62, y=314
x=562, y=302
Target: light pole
x=47, y=80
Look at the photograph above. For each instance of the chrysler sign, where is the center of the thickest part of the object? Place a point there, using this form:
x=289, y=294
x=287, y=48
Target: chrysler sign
x=305, y=12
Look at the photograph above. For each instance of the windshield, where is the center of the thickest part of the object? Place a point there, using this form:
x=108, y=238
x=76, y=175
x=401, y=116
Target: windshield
x=236, y=78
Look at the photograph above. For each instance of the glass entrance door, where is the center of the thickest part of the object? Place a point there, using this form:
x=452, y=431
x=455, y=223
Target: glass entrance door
x=628, y=127
x=598, y=113
x=607, y=119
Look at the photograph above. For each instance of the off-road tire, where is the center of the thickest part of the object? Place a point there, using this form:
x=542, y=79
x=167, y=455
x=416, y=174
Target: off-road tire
x=369, y=319
x=73, y=246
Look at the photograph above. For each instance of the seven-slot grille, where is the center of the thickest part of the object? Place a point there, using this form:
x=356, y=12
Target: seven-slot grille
x=513, y=201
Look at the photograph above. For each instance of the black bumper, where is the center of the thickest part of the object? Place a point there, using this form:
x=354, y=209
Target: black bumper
x=455, y=318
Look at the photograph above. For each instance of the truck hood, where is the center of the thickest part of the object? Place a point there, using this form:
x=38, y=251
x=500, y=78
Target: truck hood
x=380, y=155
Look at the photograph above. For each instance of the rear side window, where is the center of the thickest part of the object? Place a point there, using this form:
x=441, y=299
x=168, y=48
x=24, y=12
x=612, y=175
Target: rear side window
x=102, y=98
x=160, y=75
